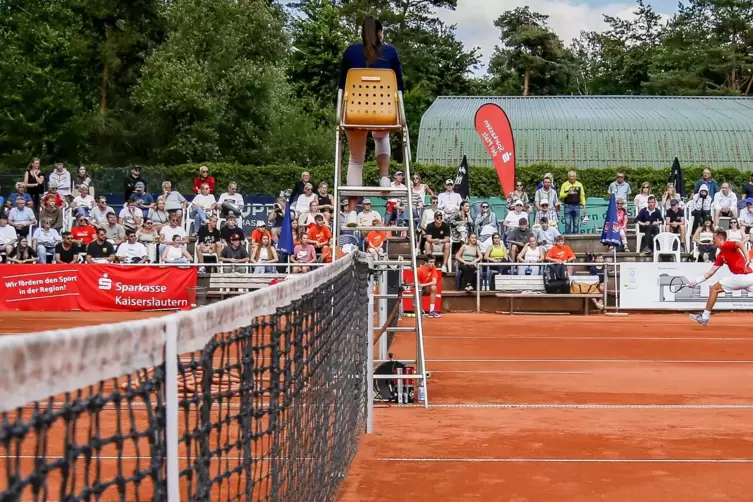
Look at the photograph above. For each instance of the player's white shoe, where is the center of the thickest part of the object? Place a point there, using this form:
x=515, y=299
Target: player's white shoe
x=699, y=319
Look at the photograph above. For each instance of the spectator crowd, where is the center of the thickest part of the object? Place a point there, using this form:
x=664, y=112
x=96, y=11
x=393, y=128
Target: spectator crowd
x=58, y=218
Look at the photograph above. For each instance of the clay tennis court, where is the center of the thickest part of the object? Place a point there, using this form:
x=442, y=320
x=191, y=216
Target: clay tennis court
x=569, y=408
x=542, y=408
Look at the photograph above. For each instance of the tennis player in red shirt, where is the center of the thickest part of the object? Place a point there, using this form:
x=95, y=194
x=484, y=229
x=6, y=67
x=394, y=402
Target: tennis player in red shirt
x=733, y=254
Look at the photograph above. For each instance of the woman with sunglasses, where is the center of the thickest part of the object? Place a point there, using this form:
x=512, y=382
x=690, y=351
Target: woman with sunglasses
x=641, y=200
x=735, y=233
x=703, y=238
x=518, y=194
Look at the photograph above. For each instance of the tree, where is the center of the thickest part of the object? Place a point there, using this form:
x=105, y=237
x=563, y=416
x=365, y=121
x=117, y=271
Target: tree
x=42, y=106
x=212, y=89
x=531, y=58
x=707, y=49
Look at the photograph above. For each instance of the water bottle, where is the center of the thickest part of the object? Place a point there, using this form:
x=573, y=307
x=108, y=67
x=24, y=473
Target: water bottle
x=421, y=393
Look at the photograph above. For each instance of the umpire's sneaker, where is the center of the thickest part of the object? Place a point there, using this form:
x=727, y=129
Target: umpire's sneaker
x=699, y=319
x=433, y=314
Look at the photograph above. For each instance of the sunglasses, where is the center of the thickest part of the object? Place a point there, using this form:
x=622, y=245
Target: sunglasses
x=484, y=207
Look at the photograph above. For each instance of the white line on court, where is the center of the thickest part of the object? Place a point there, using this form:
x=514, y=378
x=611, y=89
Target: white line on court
x=652, y=338
x=516, y=372
x=629, y=361
x=577, y=460
x=603, y=406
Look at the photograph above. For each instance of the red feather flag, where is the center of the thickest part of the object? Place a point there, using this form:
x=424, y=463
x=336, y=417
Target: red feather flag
x=495, y=130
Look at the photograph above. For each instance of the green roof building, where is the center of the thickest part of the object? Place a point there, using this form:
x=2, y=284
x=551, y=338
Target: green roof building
x=597, y=131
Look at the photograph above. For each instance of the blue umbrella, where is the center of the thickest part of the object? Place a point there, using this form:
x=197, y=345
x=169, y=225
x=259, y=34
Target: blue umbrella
x=610, y=234
x=285, y=244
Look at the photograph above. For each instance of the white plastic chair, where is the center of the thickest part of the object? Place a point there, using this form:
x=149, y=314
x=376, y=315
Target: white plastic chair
x=664, y=244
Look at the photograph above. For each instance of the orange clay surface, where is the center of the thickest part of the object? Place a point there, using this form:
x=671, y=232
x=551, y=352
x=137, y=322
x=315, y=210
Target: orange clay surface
x=646, y=408
x=547, y=408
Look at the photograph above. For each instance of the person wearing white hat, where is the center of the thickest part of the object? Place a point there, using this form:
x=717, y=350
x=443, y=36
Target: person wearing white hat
x=368, y=215
x=449, y=201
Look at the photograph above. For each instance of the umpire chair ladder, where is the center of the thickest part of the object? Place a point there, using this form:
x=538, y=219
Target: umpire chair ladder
x=371, y=101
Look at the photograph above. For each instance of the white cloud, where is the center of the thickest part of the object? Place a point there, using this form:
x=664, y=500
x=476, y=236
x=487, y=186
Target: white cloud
x=475, y=18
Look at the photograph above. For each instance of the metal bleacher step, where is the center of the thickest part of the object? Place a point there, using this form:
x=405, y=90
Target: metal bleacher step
x=377, y=229
x=354, y=191
x=405, y=264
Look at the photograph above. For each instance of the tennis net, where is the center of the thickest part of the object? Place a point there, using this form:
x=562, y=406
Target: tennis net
x=260, y=397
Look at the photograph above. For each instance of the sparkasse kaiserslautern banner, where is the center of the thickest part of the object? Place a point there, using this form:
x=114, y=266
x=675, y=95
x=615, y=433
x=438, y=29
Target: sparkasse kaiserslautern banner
x=95, y=287
x=495, y=130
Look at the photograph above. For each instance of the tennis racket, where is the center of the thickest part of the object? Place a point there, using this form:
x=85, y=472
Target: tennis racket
x=677, y=284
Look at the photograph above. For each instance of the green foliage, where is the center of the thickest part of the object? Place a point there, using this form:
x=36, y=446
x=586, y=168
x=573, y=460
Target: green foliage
x=532, y=59
x=272, y=179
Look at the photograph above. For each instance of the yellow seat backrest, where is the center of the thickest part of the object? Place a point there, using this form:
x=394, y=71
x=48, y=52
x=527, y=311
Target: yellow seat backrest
x=371, y=99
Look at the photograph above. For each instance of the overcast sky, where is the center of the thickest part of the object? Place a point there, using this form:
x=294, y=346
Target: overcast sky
x=567, y=18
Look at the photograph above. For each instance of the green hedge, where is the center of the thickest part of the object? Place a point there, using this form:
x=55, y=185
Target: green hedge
x=271, y=180
x=484, y=181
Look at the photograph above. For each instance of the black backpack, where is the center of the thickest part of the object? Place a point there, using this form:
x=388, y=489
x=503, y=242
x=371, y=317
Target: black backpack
x=556, y=280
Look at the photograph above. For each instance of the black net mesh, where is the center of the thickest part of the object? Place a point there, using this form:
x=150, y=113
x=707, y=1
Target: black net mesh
x=271, y=411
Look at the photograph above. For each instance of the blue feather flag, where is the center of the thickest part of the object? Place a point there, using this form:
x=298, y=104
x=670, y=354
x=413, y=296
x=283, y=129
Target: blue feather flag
x=285, y=244
x=610, y=234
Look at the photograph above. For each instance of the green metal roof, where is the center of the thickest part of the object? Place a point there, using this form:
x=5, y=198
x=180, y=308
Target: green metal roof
x=597, y=131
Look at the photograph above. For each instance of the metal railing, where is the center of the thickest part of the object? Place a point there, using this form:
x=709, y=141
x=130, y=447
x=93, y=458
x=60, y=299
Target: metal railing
x=607, y=265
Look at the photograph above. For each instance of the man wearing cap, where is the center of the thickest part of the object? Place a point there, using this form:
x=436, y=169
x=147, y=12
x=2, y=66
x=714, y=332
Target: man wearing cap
x=234, y=253
x=143, y=200
x=746, y=216
x=396, y=207
x=129, y=183
x=518, y=238
x=449, y=201
x=438, y=239
x=368, y=215
x=746, y=192
x=619, y=187
x=675, y=219
x=545, y=212
x=512, y=218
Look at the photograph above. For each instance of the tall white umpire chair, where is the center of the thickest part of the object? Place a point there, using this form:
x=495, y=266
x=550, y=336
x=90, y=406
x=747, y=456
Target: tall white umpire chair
x=371, y=101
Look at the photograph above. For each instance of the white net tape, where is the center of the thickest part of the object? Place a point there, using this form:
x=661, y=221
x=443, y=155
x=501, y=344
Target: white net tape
x=38, y=365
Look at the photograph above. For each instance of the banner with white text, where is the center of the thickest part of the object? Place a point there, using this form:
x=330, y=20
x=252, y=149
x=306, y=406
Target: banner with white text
x=646, y=286
x=95, y=288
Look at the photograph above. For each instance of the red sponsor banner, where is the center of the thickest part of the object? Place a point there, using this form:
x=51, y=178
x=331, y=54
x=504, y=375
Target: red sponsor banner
x=112, y=287
x=95, y=287
x=39, y=287
x=495, y=130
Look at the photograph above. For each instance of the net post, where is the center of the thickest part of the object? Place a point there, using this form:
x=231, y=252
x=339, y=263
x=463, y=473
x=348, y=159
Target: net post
x=171, y=411
x=370, y=362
